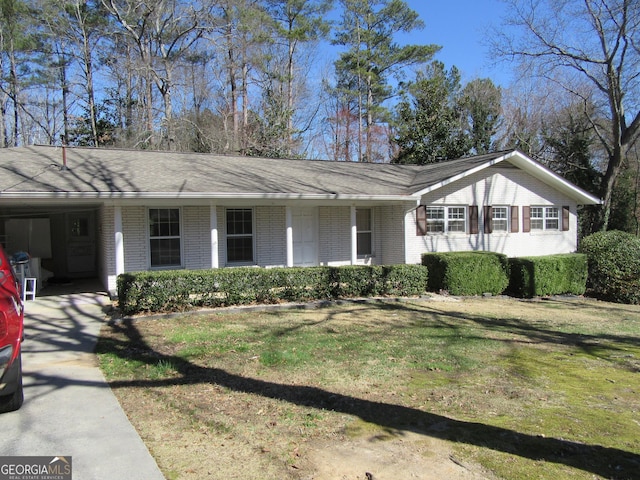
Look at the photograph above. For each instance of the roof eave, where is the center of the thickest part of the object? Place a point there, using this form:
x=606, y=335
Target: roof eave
x=200, y=196
x=464, y=174
x=548, y=176
x=536, y=169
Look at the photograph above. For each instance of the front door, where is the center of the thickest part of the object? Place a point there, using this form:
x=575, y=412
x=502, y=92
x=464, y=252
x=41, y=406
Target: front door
x=305, y=237
x=81, y=244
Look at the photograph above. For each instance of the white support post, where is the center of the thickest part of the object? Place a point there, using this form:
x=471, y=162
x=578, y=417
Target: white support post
x=289, y=227
x=215, y=261
x=354, y=236
x=119, y=240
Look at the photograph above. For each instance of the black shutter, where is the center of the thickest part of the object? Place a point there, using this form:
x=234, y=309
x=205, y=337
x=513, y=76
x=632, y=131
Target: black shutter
x=565, y=219
x=515, y=220
x=421, y=220
x=473, y=219
x=488, y=219
x=526, y=219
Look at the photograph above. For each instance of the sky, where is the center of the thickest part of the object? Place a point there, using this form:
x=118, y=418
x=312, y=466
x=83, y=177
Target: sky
x=460, y=28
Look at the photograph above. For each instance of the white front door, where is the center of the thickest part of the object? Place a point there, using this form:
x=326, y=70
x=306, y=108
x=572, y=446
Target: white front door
x=305, y=237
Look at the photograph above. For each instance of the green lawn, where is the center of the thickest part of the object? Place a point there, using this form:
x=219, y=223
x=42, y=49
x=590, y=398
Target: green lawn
x=527, y=389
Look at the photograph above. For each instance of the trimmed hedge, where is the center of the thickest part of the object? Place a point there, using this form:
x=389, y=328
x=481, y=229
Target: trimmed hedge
x=614, y=266
x=178, y=290
x=548, y=275
x=467, y=273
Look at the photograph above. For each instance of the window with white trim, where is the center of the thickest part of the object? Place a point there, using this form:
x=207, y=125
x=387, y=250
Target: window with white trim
x=435, y=220
x=240, y=236
x=545, y=218
x=456, y=219
x=499, y=219
x=446, y=219
x=164, y=237
x=364, y=227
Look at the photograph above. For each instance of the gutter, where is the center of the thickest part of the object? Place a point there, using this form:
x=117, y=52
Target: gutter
x=201, y=196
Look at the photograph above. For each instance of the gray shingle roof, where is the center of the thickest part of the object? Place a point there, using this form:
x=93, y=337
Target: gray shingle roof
x=43, y=172
x=113, y=172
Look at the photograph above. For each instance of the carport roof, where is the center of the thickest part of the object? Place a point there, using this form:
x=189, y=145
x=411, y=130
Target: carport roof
x=96, y=173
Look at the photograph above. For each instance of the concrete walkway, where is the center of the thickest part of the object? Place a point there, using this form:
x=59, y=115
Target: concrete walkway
x=69, y=410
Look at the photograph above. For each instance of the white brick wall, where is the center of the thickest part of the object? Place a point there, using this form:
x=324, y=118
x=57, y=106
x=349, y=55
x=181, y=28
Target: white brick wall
x=106, y=248
x=335, y=236
x=495, y=186
x=388, y=226
x=196, y=237
x=134, y=235
x=271, y=238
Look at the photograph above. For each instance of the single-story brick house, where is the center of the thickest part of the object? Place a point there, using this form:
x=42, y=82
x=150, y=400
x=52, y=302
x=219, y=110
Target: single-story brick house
x=86, y=212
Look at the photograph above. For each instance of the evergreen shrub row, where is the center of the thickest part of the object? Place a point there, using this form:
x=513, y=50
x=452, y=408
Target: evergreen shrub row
x=178, y=290
x=467, y=273
x=614, y=266
x=548, y=275
x=458, y=273
x=478, y=273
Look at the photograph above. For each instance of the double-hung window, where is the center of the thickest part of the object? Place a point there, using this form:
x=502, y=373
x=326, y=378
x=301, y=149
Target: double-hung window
x=240, y=235
x=499, y=219
x=435, y=220
x=545, y=218
x=456, y=219
x=164, y=237
x=364, y=231
x=446, y=219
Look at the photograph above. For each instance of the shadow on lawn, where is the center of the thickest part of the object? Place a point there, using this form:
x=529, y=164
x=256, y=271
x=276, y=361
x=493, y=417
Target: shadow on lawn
x=530, y=333
x=603, y=461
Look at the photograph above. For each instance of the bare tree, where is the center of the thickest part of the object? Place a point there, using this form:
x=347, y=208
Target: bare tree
x=163, y=31
x=297, y=23
x=597, y=41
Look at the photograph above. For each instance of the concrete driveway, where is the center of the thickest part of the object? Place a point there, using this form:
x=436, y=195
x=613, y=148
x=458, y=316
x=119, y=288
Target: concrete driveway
x=69, y=410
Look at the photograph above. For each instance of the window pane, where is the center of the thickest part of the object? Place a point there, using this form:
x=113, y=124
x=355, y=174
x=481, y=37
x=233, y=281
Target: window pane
x=240, y=249
x=154, y=224
x=537, y=224
x=240, y=235
x=239, y=222
x=435, y=219
x=536, y=212
x=80, y=227
x=537, y=221
x=456, y=226
x=435, y=213
x=165, y=252
x=364, y=243
x=164, y=233
x=363, y=219
x=456, y=212
x=164, y=222
x=456, y=216
x=435, y=226
x=552, y=217
x=499, y=220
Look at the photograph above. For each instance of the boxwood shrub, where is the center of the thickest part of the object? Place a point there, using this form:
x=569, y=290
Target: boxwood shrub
x=467, y=273
x=548, y=275
x=614, y=266
x=177, y=290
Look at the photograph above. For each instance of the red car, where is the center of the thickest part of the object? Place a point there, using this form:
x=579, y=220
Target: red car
x=11, y=336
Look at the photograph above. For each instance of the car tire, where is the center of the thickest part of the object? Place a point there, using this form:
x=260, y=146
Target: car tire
x=9, y=403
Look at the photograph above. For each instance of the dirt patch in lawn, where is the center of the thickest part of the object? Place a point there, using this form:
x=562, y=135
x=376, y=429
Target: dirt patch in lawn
x=379, y=390
x=252, y=444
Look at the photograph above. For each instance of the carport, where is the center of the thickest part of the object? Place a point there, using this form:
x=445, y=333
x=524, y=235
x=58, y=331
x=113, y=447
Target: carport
x=61, y=240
